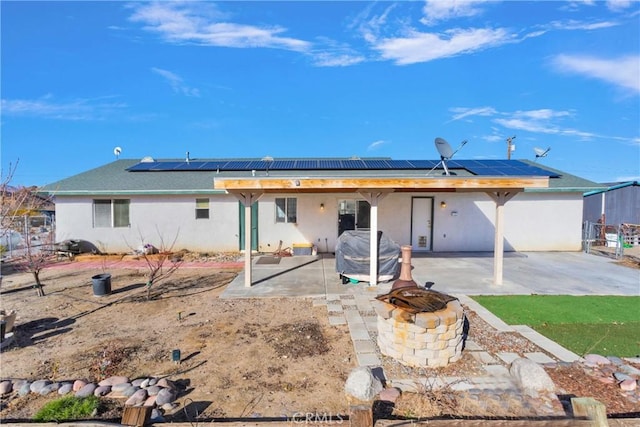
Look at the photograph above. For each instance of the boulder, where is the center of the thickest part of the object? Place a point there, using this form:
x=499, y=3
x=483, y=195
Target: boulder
x=6, y=387
x=78, y=384
x=163, y=382
x=102, y=390
x=628, y=385
x=389, y=394
x=166, y=395
x=153, y=390
x=137, y=398
x=129, y=391
x=531, y=377
x=87, y=390
x=113, y=381
x=65, y=388
x=596, y=359
x=25, y=389
x=119, y=388
x=362, y=384
x=49, y=388
x=37, y=386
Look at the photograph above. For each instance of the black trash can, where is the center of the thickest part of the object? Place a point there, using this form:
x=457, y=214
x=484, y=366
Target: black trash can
x=101, y=284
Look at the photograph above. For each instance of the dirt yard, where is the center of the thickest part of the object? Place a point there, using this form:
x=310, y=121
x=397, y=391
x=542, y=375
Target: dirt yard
x=239, y=358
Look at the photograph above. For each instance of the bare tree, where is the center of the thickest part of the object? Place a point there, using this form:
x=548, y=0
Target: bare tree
x=160, y=261
x=19, y=206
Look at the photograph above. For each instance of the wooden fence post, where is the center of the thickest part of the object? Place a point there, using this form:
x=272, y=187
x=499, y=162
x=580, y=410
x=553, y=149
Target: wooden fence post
x=361, y=416
x=591, y=409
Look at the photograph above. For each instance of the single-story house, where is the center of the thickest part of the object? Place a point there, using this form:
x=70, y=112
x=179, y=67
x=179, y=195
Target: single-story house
x=201, y=204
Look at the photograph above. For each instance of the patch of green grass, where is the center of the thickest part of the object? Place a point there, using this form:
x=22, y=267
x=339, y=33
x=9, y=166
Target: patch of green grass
x=68, y=408
x=608, y=325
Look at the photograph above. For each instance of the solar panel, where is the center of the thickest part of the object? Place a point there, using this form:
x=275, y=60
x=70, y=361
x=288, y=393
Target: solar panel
x=329, y=164
x=236, y=165
x=423, y=164
x=399, y=164
x=282, y=165
x=353, y=164
x=306, y=164
x=484, y=167
x=376, y=164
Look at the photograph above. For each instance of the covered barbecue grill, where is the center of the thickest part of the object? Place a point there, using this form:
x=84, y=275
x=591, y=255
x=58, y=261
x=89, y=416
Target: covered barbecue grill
x=353, y=257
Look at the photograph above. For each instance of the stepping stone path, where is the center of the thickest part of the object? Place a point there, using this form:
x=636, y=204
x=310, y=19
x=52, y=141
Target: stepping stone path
x=154, y=392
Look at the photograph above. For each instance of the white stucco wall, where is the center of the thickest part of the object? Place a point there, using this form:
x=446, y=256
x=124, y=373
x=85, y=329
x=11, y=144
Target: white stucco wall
x=533, y=222
x=154, y=218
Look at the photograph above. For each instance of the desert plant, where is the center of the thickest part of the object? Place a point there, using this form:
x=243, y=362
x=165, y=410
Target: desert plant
x=68, y=408
x=160, y=261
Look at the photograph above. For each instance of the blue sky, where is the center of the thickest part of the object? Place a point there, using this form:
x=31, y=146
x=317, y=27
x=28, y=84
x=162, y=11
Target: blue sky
x=320, y=79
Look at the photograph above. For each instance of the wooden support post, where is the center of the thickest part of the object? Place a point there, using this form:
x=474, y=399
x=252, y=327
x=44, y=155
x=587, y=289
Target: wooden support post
x=136, y=416
x=588, y=407
x=361, y=416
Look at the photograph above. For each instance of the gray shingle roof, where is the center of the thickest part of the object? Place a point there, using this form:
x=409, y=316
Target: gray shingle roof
x=114, y=179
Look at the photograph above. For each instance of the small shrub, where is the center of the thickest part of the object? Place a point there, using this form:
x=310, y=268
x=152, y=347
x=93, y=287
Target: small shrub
x=68, y=408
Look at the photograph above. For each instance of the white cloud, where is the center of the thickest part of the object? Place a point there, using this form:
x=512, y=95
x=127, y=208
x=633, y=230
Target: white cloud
x=425, y=47
x=618, y=5
x=442, y=10
x=462, y=112
x=376, y=144
x=200, y=23
x=46, y=107
x=328, y=59
x=623, y=71
x=176, y=82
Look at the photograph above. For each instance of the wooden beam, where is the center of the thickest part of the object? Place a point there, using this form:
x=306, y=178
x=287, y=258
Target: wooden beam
x=368, y=184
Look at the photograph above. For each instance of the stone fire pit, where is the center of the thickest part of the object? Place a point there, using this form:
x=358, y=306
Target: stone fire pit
x=417, y=326
x=421, y=339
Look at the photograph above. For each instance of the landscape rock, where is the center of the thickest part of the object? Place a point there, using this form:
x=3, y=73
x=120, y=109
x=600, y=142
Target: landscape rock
x=156, y=416
x=102, y=390
x=130, y=391
x=138, y=382
x=6, y=387
x=628, y=385
x=78, y=384
x=153, y=381
x=389, y=394
x=145, y=383
x=87, y=390
x=166, y=395
x=531, y=377
x=25, y=389
x=153, y=390
x=111, y=381
x=137, y=398
x=169, y=407
x=38, y=385
x=163, y=382
x=362, y=384
x=621, y=376
x=49, y=388
x=65, y=388
x=596, y=359
x=119, y=388
x=151, y=401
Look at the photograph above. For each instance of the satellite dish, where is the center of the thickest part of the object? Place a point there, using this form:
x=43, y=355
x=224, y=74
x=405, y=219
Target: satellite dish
x=541, y=152
x=117, y=151
x=446, y=153
x=443, y=147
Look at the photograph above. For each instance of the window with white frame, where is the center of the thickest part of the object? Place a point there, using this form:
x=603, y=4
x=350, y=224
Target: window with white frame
x=286, y=209
x=202, y=208
x=109, y=213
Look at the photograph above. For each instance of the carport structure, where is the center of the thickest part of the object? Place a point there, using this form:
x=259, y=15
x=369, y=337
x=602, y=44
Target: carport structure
x=374, y=187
